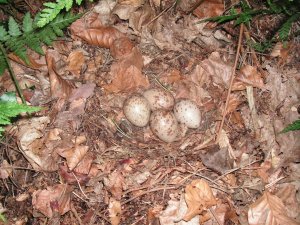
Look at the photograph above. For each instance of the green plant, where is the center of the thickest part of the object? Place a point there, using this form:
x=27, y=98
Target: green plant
x=17, y=40
x=2, y=218
x=290, y=9
x=53, y=9
x=9, y=108
x=291, y=127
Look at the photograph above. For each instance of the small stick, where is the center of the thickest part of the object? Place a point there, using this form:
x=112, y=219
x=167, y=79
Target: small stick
x=231, y=82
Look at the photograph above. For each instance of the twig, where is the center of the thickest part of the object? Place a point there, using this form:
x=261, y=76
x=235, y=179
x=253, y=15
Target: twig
x=76, y=214
x=12, y=74
x=162, y=12
x=146, y=192
x=231, y=81
x=235, y=169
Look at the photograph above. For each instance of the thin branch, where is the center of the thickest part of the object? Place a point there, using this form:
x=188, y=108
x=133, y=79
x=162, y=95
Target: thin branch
x=231, y=81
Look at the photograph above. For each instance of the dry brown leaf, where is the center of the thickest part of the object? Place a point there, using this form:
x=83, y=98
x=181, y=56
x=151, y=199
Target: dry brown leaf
x=74, y=155
x=59, y=194
x=199, y=197
x=127, y=75
x=115, y=211
x=288, y=195
x=5, y=169
x=234, y=101
x=121, y=48
x=171, y=77
x=34, y=63
x=115, y=183
x=60, y=88
x=269, y=210
x=209, y=8
x=141, y=17
x=85, y=164
x=249, y=76
x=72, y=177
x=219, y=71
x=75, y=62
x=102, y=36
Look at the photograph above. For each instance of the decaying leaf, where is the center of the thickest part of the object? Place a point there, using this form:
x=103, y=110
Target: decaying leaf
x=74, y=155
x=114, y=209
x=59, y=194
x=249, y=76
x=199, y=197
x=269, y=210
x=60, y=88
x=115, y=183
x=5, y=169
x=209, y=8
x=75, y=61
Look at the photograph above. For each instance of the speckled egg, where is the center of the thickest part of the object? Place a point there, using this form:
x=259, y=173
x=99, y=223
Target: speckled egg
x=137, y=110
x=164, y=125
x=188, y=113
x=159, y=99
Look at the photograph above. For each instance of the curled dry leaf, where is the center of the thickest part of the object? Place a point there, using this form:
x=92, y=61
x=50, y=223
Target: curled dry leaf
x=60, y=194
x=114, y=209
x=269, y=210
x=33, y=62
x=249, y=76
x=219, y=71
x=74, y=155
x=199, y=197
x=75, y=61
x=102, y=36
x=60, y=88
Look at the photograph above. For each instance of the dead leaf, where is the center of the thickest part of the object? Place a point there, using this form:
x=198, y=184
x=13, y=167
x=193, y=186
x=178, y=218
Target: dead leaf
x=72, y=177
x=115, y=183
x=5, y=169
x=115, y=211
x=60, y=88
x=219, y=71
x=269, y=210
x=209, y=8
x=141, y=17
x=102, y=36
x=199, y=197
x=61, y=194
x=73, y=155
x=248, y=76
x=34, y=62
x=174, y=212
x=75, y=62
x=121, y=47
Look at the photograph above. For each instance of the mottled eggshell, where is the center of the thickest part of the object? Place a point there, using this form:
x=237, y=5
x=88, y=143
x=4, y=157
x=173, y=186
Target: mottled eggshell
x=159, y=99
x=164, y=124
x=188, y=113
x=137, y=110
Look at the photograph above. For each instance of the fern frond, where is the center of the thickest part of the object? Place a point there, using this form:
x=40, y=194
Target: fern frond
x=27, y=23
x=33, y=37
x=286, y=27
x=4, y=36
x=10, y=110
x=13, y=28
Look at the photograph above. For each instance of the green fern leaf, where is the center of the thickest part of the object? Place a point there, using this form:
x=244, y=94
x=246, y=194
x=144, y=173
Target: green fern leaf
x=78, y=2
x=34, y=43
x=13, y=28
x=68, y=4
x=27, y=23
x=291, y=127
x=284, y=30
x=3, y=1
x=4, y=36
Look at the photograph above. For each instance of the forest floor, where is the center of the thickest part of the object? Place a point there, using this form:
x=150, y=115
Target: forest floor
x=81, y=161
